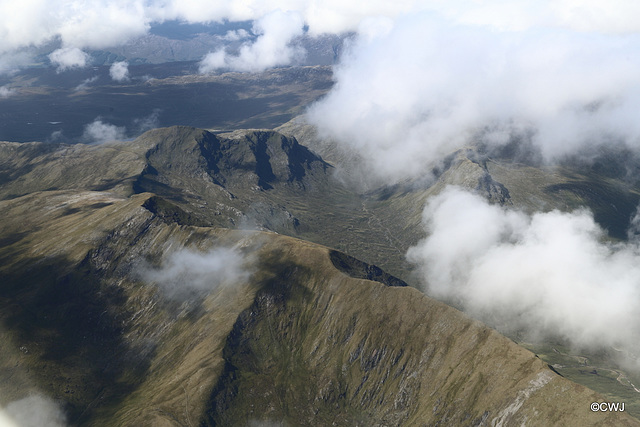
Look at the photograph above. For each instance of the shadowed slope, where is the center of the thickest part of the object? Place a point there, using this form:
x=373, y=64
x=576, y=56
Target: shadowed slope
x=298, y=341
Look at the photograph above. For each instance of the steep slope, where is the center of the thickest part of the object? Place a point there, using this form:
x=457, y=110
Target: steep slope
x=295, y=339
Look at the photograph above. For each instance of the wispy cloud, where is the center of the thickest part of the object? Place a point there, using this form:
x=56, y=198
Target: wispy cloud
x=236, y=35
x=32, y=411
x=86, y=83
x=186, y=272
x=99, y=132
x=149, y=122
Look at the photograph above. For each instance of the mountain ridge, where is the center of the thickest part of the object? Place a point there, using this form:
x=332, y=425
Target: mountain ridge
x=82, y=225
x=407, y=357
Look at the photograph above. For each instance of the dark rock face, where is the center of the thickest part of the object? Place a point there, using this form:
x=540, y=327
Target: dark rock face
x=361, y=270
x=171, y=213
x=493, y=190
x=262, y=158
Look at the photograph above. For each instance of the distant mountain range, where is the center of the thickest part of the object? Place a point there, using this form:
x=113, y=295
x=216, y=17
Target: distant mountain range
x=174, y=41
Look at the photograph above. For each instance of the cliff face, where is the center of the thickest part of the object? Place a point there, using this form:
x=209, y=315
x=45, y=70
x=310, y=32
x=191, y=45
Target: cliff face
x=286, y=338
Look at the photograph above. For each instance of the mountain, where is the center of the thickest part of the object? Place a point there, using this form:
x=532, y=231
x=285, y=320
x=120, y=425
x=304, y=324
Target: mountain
x=602, y=180
x=166, y=46
x=247, y=178
x=301, y=339
x=127, y=299
x=264, y=179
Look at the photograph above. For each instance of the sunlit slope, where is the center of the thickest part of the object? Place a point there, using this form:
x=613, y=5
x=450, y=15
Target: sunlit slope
x=184, y=177
x=245, y=179
x=299, y=341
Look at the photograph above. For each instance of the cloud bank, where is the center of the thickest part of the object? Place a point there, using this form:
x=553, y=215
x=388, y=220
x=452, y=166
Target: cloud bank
x=98, y=24
x=408, y=93
x=186, y=272
x=548, y=274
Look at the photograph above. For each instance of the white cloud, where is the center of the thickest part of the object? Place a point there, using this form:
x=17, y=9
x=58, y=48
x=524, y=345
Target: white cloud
x=406, y=96
x=149, y=122
x=119, y=71
x=187, y=272
x=67, y=58
x=33, y=411
x=97, y=24
x=86, y=83
x=100, y=23
x=548, y=273
x=213, y=61
x=30, y=23
x=272, y=48
x=236, y=35
x=100, y=132
x=6, y=91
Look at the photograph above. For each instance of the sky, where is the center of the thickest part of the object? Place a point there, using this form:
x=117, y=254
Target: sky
x=419, y=80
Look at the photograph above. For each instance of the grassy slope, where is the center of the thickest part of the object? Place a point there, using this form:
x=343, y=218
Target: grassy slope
x=364, y=225
x=301, y=341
